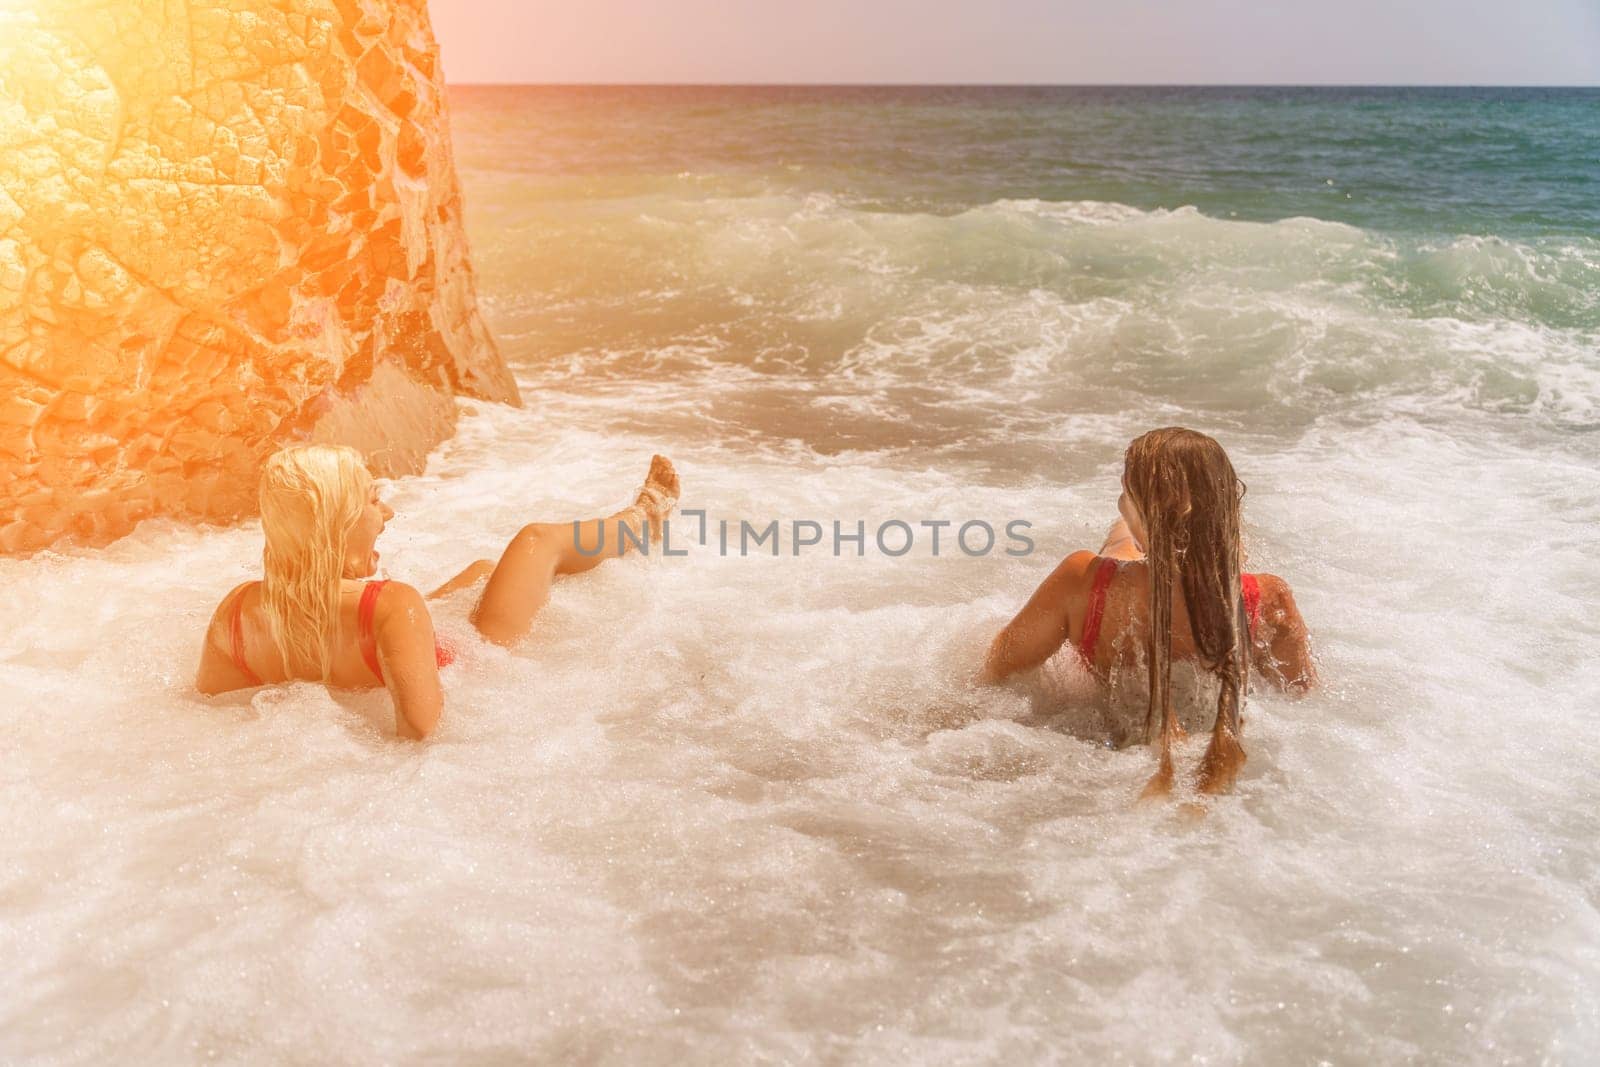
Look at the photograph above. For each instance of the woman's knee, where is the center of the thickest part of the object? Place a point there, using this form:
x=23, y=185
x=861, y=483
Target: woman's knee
x=498, y=629
x=538, y=535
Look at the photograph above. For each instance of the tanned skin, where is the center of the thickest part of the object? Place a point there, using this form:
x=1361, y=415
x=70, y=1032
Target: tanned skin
x=1280, y=647
x=519, y=585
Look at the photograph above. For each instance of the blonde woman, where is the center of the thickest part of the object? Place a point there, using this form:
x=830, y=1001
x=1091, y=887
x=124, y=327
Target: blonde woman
x=1170, y=571
x=315, y=617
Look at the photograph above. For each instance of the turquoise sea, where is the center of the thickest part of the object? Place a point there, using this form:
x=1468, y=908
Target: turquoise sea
x=1505, y=162
x=1176, y=244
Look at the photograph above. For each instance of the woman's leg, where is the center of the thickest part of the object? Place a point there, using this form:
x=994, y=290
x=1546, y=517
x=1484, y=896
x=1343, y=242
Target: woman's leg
x=539, y=552
x=469, y=576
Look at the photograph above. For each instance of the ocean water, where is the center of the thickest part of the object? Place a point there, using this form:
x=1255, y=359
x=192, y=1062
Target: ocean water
x=726, y=808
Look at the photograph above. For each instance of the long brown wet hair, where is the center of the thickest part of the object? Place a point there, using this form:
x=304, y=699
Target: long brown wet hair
x=1189, y=497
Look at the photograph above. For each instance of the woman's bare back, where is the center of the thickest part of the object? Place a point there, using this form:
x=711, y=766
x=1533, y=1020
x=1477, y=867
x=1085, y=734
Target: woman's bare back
x=1279, y=645
x=256, y=652
x=1055, y=615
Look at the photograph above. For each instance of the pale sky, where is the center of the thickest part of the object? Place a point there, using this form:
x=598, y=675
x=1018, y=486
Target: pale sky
x=1444, y=42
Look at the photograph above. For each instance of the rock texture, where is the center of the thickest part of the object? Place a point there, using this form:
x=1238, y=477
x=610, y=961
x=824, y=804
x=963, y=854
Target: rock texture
x=222, y=225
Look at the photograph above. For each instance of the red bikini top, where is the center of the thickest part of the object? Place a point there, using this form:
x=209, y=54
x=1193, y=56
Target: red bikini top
x=366, y=636
x=1248, y=586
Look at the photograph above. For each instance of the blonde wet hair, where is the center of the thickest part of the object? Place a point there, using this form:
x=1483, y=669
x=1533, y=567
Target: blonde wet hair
x=311, y=497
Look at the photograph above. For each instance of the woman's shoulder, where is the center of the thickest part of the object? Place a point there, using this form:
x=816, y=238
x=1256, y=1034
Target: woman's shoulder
x=1271, y=585
x=1081, y=562
x=1277, y=598
x=238, y=592
x=1088, y=566
x=397, y=602
x=1075, y=576
x=231, y=602
x=1077, y=570
x=219, y=630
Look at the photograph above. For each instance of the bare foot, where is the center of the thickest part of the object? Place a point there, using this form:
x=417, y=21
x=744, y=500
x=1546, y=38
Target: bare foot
x=660, y=491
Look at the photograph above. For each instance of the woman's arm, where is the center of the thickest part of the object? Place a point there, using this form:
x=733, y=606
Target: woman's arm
x=1042, y=624
x=1282, y=646
x=406, y=653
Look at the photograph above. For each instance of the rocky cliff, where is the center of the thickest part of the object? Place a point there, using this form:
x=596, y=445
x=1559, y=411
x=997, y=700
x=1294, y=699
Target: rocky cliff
x=223, y=225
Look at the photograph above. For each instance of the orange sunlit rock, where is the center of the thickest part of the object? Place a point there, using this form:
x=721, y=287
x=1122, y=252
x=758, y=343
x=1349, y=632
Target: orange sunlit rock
x=222, y=225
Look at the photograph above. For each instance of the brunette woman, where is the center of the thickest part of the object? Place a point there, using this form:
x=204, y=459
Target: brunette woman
x=1168, y=583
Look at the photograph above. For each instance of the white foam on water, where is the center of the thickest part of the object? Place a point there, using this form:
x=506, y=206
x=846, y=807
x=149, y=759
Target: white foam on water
x=738, y=807
x=723, y=808
x=1094, y=303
